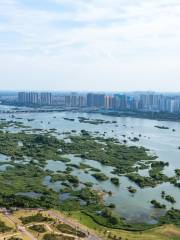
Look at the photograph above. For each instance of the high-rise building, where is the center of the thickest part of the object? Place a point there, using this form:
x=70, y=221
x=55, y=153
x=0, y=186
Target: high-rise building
x=22, y=97
x=74, y=99
x=109, y=102
x=99, y=100
x=58, y=100
x=82, y=101
x=90, y=100
x=46, y=98
x=68, y=101
x=96, y=100
x=28, y=97
x=120, y=102
x=33, y=98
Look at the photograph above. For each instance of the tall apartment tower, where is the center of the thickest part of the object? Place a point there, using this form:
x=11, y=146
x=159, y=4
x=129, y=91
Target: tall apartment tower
x=46, y=98
x=22, y=97
x=33, y=98
x=95, y=100
x=28, y=97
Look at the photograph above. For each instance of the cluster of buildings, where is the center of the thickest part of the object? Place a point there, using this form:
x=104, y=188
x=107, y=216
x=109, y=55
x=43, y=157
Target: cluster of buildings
x=34, y=98
x=135, y=102
x=150, y=102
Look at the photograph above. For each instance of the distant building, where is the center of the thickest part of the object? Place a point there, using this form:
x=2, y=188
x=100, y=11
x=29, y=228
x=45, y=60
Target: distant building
x=82, y=101
x=120, y=102
x=109, y=102
x=28, y=98
x=68, y=101
x=46, y=98
x=96, y=100
x=22, y=97
x=58, y=100
x=34, y=98
x=90, y=100
x=145, y=102
x=75, y=100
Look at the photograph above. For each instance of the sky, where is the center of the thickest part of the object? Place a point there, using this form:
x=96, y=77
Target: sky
x=90, y=45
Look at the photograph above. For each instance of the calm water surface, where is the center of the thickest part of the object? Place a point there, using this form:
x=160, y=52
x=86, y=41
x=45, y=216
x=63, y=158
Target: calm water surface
x=163, y=143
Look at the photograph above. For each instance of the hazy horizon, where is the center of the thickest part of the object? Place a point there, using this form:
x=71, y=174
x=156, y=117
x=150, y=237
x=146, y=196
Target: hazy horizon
x=95, y=45
x=6, y=91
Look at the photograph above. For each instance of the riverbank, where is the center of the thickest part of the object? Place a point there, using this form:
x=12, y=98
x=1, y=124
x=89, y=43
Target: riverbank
x=160, y=116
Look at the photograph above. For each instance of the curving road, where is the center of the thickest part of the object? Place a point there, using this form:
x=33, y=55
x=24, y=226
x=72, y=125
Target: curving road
x=90, y=236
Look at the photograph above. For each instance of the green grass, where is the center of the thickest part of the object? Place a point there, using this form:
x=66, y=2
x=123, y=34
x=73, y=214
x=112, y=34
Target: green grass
x=35, y=218
x=4, y=228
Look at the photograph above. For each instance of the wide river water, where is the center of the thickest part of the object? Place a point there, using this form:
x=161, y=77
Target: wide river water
x=161, y=142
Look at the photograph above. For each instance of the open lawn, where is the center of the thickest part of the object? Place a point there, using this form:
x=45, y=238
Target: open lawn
x=166, y=232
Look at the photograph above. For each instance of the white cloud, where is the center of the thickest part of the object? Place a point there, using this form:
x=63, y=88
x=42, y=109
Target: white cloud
x=94, y=38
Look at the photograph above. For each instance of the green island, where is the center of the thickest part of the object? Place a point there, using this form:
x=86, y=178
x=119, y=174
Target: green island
x=100, y=176
x=115, y=181
x=157, y=204
x=155, y=176
x=160, y=116
x=168, y=198
x=161, y=127
x=132, y=189
x=69, y=119
x=94, y=121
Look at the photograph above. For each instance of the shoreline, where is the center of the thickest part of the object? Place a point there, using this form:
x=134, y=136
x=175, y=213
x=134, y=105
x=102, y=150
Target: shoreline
x=159, y=116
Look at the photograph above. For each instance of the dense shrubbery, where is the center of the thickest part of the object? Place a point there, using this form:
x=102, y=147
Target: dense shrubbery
x=35, y=218
x=177, y=171
x=38, y=228
x=3, y=227
x=64, y=228
x=120, y=156
x=57, y=237
x=14, y=238
x=172, y=216
x=168, y=198
x=132, y=189
x=100, y=176
x=115, y=181
x=157, y=204
x=141, y=181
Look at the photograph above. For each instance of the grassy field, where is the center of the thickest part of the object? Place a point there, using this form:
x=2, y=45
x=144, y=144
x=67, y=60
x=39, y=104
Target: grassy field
x=166, y=232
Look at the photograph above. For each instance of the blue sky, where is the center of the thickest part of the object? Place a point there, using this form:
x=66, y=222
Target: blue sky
x=97, y=45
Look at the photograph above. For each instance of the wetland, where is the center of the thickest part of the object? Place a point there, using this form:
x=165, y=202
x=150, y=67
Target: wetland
x=90, y=164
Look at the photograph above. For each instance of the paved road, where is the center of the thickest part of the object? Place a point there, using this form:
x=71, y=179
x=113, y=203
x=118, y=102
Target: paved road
x=22, y=229
x=90, y=236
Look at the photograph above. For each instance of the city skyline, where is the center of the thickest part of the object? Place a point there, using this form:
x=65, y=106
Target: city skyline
x=90, y=45
x=142, y=101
